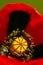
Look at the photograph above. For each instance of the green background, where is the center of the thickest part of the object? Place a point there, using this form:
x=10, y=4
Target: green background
x=38, y=4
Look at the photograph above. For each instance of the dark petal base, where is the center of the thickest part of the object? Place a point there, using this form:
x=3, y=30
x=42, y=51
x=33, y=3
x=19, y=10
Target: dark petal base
x=38, y=52
x=18, y=19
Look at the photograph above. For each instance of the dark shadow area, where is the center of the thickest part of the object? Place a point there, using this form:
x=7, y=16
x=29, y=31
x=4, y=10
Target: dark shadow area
x=18, y=19
x=38, y=52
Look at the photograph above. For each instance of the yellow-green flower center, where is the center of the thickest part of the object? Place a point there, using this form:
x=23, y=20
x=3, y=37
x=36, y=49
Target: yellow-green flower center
x=18, y=46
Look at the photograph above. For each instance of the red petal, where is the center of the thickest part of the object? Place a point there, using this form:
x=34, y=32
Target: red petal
x=12, y=61
x=35, y=29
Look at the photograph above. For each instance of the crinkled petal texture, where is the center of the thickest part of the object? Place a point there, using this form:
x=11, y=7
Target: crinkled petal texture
x=34, y=28
x=4, y=16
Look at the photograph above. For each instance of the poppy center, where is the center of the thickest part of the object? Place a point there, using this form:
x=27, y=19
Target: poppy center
x=18, y=46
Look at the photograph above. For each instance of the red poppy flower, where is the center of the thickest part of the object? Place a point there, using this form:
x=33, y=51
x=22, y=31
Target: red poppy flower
x=34, y=28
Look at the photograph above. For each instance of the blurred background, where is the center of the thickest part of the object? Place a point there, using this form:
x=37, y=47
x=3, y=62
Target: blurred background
x=38, y=4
